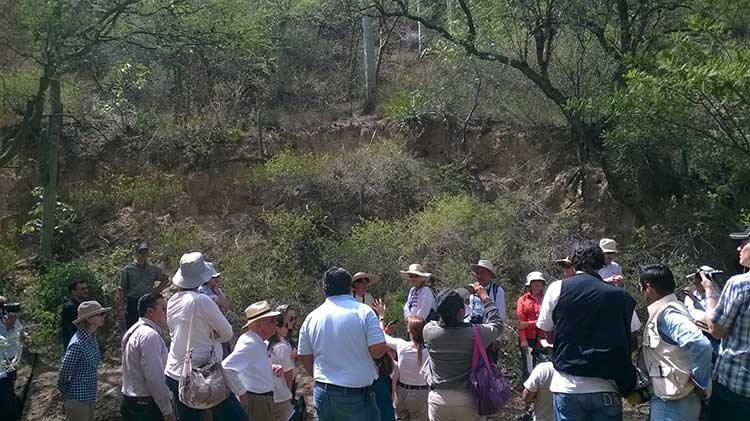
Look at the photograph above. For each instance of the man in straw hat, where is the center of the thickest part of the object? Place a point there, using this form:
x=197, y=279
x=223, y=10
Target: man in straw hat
x=611, y=272
x=360, y=282
x=484, y=272
x=337, y=344
x=248, y=367
x=146, y=396
x=421, y=298
x=197, y=324
x=138, y=278
x=77, y=377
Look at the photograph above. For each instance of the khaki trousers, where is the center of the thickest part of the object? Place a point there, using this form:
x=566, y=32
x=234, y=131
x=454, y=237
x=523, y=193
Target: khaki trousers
x=259, y=408
x=282, y=410
x=451, y=405
x=411, y=404
x=78, y=410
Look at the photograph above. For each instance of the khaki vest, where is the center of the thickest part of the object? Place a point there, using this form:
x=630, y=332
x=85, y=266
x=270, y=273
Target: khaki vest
x=668, y=365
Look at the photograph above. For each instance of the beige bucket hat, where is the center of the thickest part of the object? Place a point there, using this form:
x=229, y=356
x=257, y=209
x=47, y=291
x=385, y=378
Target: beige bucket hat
x=89, y=309
x=259, y=310
x=371, y=277
x=415, y=269
x=608, y=245
x=193, y=271
x=534, y=276
x=486, y=264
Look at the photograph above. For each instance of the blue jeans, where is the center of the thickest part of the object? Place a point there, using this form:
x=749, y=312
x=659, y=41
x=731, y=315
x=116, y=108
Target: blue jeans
x=726, y=405
x=685, y=409
x=600, y=406
x=229, y=410
x=383, y=389
x=339, y=404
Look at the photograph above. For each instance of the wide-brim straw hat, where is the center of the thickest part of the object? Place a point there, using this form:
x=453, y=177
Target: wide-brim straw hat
x=608, y=245
x=534, y=276
x=193, y=271
x=89, y=309
x=415, y=269
x=486, y=264
x=259, y=310
x=371, y=277
x=564, y=262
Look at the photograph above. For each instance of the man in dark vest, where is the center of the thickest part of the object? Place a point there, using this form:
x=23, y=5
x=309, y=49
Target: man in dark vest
x=592, y=322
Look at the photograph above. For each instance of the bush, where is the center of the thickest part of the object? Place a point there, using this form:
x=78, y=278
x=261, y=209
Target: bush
x=47, y=294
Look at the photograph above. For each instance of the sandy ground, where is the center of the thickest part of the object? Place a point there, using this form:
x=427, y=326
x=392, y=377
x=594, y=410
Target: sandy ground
x=42, y=405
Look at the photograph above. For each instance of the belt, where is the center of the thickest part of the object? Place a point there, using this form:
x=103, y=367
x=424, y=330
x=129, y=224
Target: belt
x=261, y=394
x=141, y=400
x=413, y=387
x=328, y=386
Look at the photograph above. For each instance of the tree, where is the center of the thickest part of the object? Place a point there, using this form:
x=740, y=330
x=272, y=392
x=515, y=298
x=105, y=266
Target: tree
x=575, y=52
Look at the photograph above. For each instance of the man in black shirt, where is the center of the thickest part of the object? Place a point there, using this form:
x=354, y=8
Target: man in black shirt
x=79, y=292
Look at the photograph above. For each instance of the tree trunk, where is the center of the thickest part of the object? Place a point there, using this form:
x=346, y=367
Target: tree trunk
x=259, y=124
x=419, y=31
x=49, y=198
x=370, y=45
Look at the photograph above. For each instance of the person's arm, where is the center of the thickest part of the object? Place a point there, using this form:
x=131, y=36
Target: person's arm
x=681, y=330
x=522, y=323
x=307, y=363
x=305, y=349
x=124, y=286
x=544, y=321
x=216, y=319
x=222, y=300
x=153, y=369
x=722, y=308
x=425, y=302
x=500, y=302
x=162, y=278
x=235, y=363
x=68, y=315
x=492, y=327
x=69, y=364
x=528, y=396
x=375, y=335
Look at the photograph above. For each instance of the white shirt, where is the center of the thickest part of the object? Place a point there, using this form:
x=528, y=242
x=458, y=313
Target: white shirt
x=367, y=299
x=338, y=335
x=610, y=270
x=144, y=357
x=10, y=347
x=696, y=305
x=538, y=382
x=568, y=383
x=209, y=329
x=250, y=364
x=408, y=363
x=281, y=354
x=425, y=302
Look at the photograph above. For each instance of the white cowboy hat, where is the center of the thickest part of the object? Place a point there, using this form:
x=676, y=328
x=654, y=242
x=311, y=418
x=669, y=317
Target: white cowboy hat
x=415, y=269
x=259, y=310
x=534, y=276
x=608, y=245
x=486, y=264
x=193, y=271
x=88, y=309
x=371, y=277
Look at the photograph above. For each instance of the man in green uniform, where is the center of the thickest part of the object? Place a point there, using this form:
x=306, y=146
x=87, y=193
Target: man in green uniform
x=139, y=278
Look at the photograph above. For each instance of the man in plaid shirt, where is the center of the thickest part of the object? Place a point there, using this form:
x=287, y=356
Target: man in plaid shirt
x=728, y=319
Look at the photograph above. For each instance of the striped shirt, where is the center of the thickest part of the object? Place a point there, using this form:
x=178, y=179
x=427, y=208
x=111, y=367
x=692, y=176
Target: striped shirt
x=77, y=377
x=733, y=313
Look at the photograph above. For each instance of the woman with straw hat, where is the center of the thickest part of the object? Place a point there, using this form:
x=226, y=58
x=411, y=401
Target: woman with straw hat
x=77, y=378
x=360, y=282
x=421, y=299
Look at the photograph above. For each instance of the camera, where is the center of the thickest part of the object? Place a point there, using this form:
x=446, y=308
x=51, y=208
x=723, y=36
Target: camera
x=718, y=277
x=10, y=308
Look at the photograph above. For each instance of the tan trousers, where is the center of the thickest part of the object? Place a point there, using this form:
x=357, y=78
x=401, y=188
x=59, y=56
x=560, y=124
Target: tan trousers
x=282, y=410
x=259, y=408
x=411, y=405
x=78, y=410
x=451, y=405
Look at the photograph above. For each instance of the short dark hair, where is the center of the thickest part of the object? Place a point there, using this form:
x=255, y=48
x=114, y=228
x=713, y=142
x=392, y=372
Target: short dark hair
x=148, y=301
x=660, y=277
x=337, y=281
x=74, y=285
x=588, y=257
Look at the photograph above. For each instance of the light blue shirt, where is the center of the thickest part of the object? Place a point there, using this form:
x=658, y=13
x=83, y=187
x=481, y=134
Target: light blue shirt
x=497, y=295
x=338, y=335
x=676, y=328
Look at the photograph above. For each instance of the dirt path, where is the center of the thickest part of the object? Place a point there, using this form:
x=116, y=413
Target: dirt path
x=41, y=404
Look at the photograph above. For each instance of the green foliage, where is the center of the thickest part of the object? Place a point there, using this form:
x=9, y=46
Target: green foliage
x=47, y=294
x=8, y=257
x=409, y=110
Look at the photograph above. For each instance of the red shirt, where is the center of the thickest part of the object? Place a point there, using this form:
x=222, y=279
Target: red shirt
x=527, y=310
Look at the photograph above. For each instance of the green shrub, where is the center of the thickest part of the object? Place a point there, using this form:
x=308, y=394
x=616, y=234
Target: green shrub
x=8, y=257
x=409, y=110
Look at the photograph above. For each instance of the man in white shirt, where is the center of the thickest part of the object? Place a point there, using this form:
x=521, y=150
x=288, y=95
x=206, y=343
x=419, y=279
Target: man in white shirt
x=611, y=271
x=484, y=271
x=337, y=344
x=536, y=390
x=146, y=396
x=248, y=367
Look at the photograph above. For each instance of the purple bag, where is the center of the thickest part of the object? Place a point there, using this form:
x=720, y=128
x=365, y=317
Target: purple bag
x=488, y=385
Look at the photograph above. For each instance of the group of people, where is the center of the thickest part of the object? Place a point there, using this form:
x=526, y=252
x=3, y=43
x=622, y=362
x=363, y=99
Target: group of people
x=585, y=324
